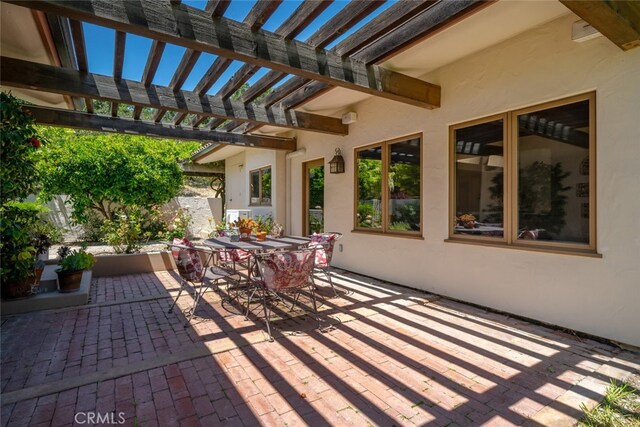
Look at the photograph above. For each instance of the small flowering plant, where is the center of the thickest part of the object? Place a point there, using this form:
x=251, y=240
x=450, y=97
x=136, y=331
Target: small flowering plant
x=245, y=223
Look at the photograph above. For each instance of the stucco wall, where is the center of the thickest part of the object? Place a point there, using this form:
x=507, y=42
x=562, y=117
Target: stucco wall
x=237, y=170
x=597, y=296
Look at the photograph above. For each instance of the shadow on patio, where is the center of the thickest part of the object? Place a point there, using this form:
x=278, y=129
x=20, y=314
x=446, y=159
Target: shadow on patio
x=386, y=356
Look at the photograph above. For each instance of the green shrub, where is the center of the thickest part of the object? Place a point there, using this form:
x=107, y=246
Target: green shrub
x=18, y=141
x=17, y=248
x=124, y=232
x=177, y=227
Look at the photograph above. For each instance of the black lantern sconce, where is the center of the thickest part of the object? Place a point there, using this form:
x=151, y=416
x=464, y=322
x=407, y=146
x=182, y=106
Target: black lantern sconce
x=336, y=165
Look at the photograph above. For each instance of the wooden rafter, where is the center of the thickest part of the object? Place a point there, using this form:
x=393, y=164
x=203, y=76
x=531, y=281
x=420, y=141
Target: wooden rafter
x=57, y=31
x=216, y=8
x=290, y=28
x=179, y=118
x=150, y=68
x=256, y=17
x=400, y=37
x=619, y=21
x=81, y=53
x=352, y=13
x=194, y=29
x=25, y=74
x=434, y=19
x=80, y=120
x=188, y=61
x=385, y=22
x=118, y=62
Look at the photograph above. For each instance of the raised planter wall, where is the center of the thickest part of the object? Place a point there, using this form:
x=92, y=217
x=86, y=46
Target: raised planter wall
x=117, y=265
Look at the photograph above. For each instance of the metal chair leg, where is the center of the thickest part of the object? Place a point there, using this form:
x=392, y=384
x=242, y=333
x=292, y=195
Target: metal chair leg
x=315, y=306
x=266, y=313
x=178, y=296
x=326, y=273
x=246, y=317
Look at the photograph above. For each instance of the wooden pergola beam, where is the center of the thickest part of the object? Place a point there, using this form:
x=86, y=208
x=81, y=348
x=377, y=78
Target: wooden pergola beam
x=216, y=8
x=188, y=61
x=291, y=27
x=619, y=21
x=417, y=26
x=25, y=74
x=150, y=68
x=258, y=15
x=193, y=28
x=439, y=16
x=81, y=120
x=118, y=62
x=351, y=14
x=385, y=22
x=77, y=34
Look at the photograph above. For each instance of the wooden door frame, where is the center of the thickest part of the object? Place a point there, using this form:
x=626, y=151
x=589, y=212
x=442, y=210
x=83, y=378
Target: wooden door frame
x=305, y=192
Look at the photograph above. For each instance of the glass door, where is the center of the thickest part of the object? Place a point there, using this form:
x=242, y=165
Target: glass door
x=313, y=200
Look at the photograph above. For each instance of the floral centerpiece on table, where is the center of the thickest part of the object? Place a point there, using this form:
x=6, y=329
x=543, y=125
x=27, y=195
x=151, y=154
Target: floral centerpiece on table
x=245, y=227
x=264, y=225
x=467, y=220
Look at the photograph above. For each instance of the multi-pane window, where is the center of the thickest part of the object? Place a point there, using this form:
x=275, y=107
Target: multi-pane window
x=260, y=186
x=525, y=177
x=388, y=186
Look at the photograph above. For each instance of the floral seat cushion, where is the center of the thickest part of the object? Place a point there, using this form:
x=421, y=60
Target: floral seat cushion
x=286, y=270
x=187, y=259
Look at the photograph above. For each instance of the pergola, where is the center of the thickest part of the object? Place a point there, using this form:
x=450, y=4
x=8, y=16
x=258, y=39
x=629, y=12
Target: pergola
x=354, y=63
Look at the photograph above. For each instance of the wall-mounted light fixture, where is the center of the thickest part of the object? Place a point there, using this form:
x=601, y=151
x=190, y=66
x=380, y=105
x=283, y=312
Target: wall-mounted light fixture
x=336, y=165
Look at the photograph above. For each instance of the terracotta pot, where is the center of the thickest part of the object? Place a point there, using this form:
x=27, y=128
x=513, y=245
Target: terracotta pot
x=69, y=281
x=245, y=233
x=38, y=272
x=261, y=235
x=17, y=290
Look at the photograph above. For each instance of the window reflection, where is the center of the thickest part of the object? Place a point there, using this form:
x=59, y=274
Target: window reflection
x=369, y=210
x=479, y=179
x=553, y=174
x=404, y=185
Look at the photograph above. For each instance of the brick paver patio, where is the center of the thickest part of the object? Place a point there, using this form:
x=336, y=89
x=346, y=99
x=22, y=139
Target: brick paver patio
x=386, y=356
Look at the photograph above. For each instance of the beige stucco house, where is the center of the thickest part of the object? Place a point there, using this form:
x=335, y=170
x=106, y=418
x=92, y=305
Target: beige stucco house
x=520, y=192
x=516, y=83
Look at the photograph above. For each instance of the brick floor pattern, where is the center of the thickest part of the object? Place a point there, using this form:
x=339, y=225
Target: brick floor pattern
x=391, y=356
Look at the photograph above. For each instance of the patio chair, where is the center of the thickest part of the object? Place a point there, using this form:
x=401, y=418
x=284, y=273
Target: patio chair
x=281, y=273
x=324, y=243
x=192, y=269
x=530, y=234
x=234, y=258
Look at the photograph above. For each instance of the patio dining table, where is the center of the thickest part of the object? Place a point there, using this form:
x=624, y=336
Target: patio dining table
x=254, y=245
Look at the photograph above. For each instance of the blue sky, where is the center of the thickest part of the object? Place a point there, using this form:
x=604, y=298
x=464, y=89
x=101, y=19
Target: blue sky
x=101, y=44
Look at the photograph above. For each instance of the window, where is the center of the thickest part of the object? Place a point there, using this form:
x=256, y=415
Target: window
x=525, y=177
x=260, y=186
x=388, y=186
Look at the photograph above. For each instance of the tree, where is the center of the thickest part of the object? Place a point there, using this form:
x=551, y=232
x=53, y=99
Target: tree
x=18, y=142
x=99, y=172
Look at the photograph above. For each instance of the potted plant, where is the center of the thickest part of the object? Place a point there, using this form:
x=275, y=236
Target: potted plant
x=72, y=264
x=263, y=225
x=245, y=226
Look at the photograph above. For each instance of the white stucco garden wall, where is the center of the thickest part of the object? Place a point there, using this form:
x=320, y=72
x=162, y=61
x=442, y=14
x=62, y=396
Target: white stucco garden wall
x=600, y=296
